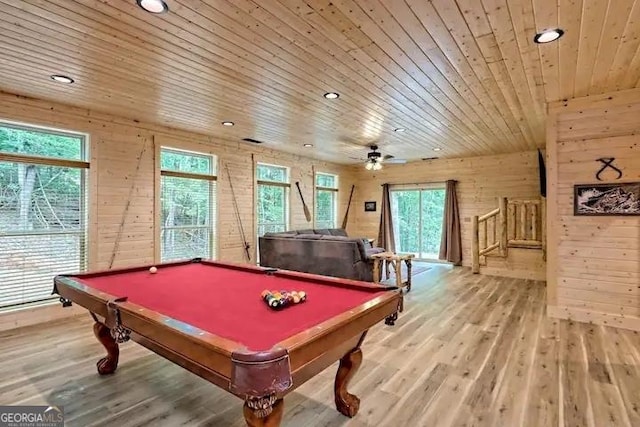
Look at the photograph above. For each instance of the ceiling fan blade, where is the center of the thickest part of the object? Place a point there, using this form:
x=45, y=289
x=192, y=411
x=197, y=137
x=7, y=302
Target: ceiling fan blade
x=396, y=161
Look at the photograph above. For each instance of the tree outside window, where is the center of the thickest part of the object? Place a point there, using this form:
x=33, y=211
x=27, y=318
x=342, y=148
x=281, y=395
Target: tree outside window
x=326, y=208
x=273, y=198
x=42, y=210
x=187, y=200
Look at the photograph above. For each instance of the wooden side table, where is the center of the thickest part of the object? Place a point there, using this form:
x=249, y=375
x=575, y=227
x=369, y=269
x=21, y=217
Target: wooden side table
x=389, y=258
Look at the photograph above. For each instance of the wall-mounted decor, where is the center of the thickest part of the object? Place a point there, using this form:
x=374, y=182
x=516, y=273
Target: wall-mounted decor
x=607, y=163
x=369, y=206
x=607, y=199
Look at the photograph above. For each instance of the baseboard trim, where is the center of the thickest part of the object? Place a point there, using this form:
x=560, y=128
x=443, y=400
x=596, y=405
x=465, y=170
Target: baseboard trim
x=596, y=317
x=39, y=314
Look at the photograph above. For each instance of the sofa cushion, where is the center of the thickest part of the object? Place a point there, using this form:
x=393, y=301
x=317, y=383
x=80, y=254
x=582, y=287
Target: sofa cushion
x=329, y=237
x=323, y=231
x=283, y=234
x=338, y=232
x=305, y=231
x=309, y=236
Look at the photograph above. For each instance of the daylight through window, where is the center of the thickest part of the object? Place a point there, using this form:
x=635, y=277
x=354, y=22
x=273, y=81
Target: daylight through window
x=326, y=200
x=187, y=199
x=273, y=198
x=43, y=211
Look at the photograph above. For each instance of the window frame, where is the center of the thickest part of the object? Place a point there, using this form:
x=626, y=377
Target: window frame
x=287, y=196
x=335, y=191
x=86, y=183
x=212, y=176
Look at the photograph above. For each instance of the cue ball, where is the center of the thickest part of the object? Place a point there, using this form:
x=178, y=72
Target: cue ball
x=153, y=270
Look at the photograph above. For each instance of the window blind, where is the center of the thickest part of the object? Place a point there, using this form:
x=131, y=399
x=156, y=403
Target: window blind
x=42, y=211
x=188, y=205
x=326, y=200
x=273, y=198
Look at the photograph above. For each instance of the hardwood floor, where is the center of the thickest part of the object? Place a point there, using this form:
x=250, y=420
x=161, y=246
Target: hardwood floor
x=469, y=350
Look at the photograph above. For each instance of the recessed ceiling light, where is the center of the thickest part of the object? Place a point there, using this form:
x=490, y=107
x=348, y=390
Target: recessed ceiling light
x=331, y=95
x=308, y=145
x=153, y=6
x=399, y=129
x=548, y=35
x=437, y=149
x=228, y=123
x=62, y=79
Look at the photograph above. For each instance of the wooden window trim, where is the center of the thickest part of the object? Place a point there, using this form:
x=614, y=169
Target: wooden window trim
x=189, y=175
x=327, y=189
x=274, y=183
x=38, y=160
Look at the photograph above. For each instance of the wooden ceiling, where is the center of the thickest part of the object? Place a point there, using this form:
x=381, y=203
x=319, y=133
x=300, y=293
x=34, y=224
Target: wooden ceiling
x=462, y=75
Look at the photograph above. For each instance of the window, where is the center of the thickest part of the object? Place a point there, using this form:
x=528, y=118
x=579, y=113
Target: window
x=326, y=200
x=187, y=204
x=273, y=198
x=43, y=211
x=418, y=212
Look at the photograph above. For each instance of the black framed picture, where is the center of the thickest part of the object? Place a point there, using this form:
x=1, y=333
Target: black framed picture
x=607, y=199
x=369, y=206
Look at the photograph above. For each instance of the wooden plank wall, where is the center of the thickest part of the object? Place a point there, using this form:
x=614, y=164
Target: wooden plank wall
x=116, y=145
x=593, y=262
x=481, y=180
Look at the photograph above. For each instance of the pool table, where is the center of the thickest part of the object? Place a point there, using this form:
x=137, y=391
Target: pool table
x=209, y=318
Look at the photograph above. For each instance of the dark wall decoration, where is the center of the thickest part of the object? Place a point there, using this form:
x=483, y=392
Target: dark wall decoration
x=607, y=163
x=607, y=199
x=369, y=206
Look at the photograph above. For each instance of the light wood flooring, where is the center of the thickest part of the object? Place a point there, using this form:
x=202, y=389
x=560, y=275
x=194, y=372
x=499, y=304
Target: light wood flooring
x=469, y=350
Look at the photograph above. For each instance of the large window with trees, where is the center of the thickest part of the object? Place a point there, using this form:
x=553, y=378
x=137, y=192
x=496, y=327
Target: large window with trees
x=43, y=211
x=326, y=209
x=418, y=212
x=188, y=205
x=273, y=198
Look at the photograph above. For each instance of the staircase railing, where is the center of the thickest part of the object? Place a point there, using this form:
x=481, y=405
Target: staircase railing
x=513, y=224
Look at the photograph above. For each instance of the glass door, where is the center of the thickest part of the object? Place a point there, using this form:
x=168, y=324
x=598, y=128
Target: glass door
x=417, y=221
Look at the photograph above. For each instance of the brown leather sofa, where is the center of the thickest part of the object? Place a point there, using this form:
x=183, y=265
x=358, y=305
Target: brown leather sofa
x=329, y=252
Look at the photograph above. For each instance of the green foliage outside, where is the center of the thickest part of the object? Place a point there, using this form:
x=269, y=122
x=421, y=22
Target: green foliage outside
x=186, y=206
x=325, y=209
x=42, y=215
x=272, y=211
x=35, y=143
x=272, y=173
x=272, y=199
x=418, y=216
x=181, y=161
x=326, y=180
x=40, y=197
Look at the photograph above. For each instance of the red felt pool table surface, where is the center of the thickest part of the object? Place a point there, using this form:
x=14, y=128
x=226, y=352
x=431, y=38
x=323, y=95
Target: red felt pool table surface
x=226, y=301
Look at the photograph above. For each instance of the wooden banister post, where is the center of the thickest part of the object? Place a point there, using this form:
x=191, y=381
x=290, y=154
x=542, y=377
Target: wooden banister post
x=503, y=226
x=475, y=246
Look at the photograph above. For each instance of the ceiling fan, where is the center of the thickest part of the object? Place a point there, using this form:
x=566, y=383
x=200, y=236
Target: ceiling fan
x=375, y=159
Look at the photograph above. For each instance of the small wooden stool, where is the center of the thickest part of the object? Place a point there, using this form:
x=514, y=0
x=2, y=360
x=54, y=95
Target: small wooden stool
x=390, y=258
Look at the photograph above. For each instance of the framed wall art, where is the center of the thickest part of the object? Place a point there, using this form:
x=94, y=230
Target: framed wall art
x=369, y=206
x=607, y=199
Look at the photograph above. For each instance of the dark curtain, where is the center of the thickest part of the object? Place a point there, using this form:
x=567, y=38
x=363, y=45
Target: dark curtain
x=386, y=239
x=451, y=244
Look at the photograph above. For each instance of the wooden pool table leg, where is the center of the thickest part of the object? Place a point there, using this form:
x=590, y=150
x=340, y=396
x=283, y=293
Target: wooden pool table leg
x=108, y=364
x=347, y=403
x=273, y=419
